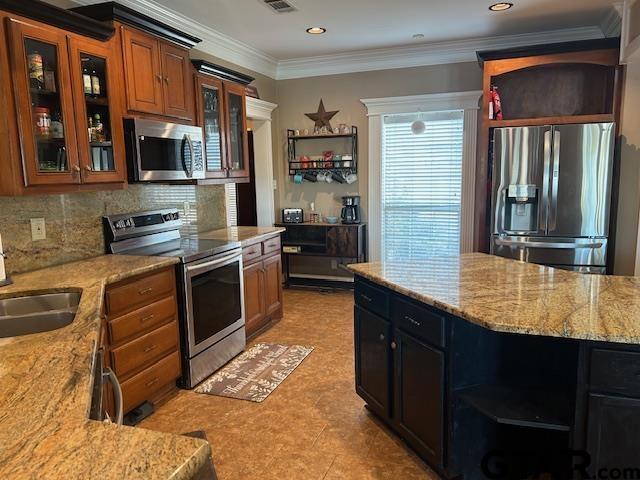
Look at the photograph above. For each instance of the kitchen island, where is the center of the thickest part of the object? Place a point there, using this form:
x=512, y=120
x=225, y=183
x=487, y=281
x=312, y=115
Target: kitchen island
x=489, y=366
x=46, y=384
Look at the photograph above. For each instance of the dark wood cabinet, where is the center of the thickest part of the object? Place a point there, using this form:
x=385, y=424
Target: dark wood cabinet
x=419, y=395
x=262, y=285
x=613, y=432
x=158, y=75
x=142, y=71
x=373, y=360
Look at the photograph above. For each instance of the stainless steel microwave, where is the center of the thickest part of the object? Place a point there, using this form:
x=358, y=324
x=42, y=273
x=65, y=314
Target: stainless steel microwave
x=162, y=151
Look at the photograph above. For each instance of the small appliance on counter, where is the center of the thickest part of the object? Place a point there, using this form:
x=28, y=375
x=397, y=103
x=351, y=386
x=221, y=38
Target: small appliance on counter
x=210, y=286
x=351, y=210
x=292, y=215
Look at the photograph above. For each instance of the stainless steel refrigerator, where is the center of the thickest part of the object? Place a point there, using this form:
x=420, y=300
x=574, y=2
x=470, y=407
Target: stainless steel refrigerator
x=552, y=194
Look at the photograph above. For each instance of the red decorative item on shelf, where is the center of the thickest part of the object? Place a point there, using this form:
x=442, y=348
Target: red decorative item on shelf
x=328, y=158
x=496, y=105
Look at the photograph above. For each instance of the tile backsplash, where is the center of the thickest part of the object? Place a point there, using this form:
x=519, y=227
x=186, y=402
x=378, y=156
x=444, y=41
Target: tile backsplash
x=74, y=221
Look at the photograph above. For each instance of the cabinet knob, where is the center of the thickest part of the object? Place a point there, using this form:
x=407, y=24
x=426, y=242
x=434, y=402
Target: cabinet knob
x=166, y=80
x=88, y=168
x=382, y=337
x=393, y=345
x=158, y=77
x=75, y=169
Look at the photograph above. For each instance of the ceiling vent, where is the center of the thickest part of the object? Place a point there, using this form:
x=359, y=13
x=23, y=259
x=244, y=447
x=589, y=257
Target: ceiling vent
x=279, y=6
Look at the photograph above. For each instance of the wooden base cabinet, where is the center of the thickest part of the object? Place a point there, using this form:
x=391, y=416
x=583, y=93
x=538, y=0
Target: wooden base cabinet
x=262, y=285
x=144, y=340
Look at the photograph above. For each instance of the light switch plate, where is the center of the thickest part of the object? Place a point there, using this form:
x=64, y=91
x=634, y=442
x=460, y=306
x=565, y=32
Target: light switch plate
x=38, y=229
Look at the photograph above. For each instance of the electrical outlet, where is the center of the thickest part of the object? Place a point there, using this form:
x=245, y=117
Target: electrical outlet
x=275, y=184
x=334, y=264
x=187, y=208
x=38, y=229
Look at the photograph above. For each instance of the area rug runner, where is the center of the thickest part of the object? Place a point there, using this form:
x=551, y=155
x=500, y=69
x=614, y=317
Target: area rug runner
x=254, y=374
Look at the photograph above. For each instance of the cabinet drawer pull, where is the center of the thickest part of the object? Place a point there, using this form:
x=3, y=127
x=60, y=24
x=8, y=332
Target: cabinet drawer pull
x=382, y=337
x=146, y=319
x=145, y=291
x=366, y=298
x=270, y=245
x=394, y=345
x=150, y=348
x=152, y=382
x=412, y=320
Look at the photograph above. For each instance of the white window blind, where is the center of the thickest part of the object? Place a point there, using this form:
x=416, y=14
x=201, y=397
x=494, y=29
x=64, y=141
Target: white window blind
x=231, y=203
x=421, y=185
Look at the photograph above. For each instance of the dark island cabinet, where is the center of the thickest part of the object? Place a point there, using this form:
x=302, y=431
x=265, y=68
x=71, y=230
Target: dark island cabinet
x=613, y=433
x=373, y=360
x=400, y=367
x=419, y=395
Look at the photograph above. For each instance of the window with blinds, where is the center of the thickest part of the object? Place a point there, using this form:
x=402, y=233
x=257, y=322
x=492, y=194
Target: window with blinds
x=231, y=203
x=421, y=185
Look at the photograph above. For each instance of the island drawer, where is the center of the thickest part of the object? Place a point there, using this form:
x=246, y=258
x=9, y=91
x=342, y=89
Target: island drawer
x=615, y=371
x=145, y=350
x=126, y=296
x=142, y=320
x=420, y=321
x=373, y=299
x=271, y=245
x=151, y=381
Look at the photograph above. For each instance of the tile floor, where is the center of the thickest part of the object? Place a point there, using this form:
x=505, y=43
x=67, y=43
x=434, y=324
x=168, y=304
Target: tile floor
x=313, y=426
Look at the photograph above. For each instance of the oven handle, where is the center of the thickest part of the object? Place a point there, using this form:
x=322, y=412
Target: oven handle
x=207, y=266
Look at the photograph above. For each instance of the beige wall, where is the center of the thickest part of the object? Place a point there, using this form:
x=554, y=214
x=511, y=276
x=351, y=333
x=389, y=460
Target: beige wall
x=343, y=92
x=629, y=193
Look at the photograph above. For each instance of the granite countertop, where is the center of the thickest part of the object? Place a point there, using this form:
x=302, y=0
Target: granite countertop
x=245, y=235
x=517, y=297
x=45, y=391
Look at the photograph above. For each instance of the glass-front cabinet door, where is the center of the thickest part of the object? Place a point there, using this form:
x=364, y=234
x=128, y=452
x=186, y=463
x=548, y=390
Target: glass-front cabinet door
x=237, y=142
x=45, y=104
x=98, y=118
x=210, y=108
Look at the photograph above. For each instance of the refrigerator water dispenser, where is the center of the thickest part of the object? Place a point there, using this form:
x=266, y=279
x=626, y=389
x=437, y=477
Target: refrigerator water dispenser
x=521, y=208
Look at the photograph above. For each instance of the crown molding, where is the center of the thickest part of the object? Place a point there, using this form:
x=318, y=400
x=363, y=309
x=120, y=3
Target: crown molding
x=431, y=102
x=611, y=24
x=213, y=42
x=421, y=55
x=259, y=109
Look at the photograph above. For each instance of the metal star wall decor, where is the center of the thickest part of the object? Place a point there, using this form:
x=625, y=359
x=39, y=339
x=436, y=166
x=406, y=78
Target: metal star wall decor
x=322, y=117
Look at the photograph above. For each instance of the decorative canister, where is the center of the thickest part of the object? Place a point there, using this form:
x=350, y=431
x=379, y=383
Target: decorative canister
x=42, y=118
x=36, y=70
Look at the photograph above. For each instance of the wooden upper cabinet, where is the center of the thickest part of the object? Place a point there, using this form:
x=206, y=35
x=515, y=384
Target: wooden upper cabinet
x=158, y=76
x=97, y=101
x=44, y=103
x=210, y=101
x=142, y=66
x=176, y=81
x=236, y=123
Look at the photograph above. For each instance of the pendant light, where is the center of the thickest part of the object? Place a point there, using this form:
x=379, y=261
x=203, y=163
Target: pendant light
x=418, y=127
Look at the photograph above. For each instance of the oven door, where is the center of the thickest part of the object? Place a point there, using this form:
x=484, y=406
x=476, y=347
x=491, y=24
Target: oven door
x=214, y=291
x=163, y=151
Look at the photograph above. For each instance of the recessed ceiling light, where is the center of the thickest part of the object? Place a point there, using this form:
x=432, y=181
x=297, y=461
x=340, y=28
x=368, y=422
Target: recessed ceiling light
x=418, y=36
x=316, y=30
x=500, y=7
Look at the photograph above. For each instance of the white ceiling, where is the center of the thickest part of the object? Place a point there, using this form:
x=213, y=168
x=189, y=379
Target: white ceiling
x=366, y=24
x=372, y=34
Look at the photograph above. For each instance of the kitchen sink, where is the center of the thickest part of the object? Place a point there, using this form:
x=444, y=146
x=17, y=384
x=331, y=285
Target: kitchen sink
x=37, y=313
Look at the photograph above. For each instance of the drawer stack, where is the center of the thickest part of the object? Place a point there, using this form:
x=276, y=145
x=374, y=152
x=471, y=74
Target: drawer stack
x=144, y=339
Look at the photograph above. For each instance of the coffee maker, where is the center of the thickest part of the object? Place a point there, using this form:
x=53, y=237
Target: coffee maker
x=351, y=210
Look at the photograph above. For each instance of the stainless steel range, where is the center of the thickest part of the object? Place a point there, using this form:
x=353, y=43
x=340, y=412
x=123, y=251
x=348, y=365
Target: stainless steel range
x=210, y=286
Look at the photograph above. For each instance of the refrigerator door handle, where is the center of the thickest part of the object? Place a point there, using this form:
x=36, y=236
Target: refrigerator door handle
x=545, y=182
x=555, y=174
x=534, y=244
